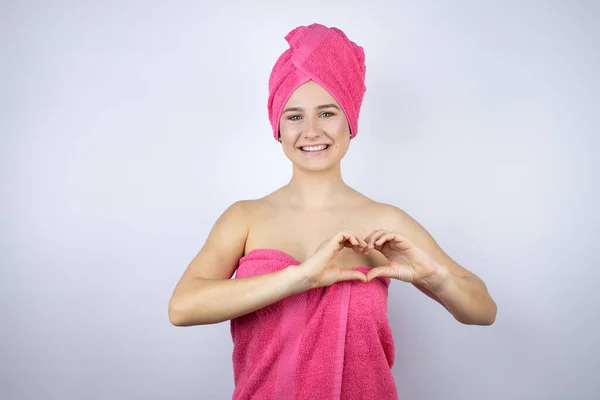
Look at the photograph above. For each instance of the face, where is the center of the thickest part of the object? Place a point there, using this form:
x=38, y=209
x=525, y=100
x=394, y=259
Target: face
x=314, y=131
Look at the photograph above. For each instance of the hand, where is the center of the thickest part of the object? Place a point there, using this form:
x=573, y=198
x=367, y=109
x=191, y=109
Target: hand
x=320, y=270
x=407, y=262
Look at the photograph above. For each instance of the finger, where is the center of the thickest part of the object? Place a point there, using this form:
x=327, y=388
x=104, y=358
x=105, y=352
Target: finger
x=402, y=242
x=352, y=246
x=360, y=250
x=395, y=240
x=396, y=237
x=362, y=247
x=375, y=237
x=385, y=238
x=361, y=241
x=385, y=271
x=368, y=238
x=351, y=275
x=350, y=241
x=345, y=236
x=339, y=241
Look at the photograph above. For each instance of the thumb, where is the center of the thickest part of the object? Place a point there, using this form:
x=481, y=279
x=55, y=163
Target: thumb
x=385, y=271
x=350, y=275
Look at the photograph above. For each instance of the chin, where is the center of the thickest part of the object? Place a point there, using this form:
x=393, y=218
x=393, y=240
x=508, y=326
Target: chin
x=315, y=168
x=322, y=165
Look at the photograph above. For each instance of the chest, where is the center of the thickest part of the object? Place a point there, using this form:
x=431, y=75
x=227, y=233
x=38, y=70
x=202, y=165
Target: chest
x=300, y=233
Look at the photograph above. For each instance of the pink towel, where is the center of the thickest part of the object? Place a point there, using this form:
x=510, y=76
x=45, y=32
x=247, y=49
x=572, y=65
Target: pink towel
x=329, y=58
x=326, y=343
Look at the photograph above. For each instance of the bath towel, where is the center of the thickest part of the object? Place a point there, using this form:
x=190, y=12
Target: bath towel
x=325, y=343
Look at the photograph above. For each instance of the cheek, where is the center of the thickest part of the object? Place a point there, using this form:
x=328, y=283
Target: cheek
x=288, y=141
x=338, y=127
x=289, y=129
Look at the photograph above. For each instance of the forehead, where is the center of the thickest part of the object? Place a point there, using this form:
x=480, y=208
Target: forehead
x=310, y=94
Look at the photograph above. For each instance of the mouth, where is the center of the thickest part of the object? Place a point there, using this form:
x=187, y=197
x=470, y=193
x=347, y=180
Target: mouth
x=314, y=148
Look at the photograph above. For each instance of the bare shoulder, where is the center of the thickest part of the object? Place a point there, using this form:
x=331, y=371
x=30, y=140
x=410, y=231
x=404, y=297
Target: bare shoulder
x=394, y=219
x=219, y=255
x=238, y=218
x=243, y=211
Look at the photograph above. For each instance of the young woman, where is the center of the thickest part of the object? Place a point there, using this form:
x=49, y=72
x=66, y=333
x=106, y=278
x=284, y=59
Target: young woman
x=314, y=259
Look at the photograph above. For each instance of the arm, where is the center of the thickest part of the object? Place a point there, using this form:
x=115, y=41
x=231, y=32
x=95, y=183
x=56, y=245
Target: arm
x=461, y=292
x=206, y=294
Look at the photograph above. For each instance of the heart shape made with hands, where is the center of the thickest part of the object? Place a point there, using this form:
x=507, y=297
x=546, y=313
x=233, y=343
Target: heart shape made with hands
x=407, y=262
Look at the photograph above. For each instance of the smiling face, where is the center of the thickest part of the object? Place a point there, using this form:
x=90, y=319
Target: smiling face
x=314, y=131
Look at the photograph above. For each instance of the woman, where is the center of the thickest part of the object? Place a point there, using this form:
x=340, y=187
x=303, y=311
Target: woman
x=314, y=259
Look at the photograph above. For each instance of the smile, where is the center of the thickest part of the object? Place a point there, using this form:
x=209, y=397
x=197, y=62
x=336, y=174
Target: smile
x=310, y=149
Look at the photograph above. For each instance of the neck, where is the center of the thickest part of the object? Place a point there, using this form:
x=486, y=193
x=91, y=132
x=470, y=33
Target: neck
x=320, y=190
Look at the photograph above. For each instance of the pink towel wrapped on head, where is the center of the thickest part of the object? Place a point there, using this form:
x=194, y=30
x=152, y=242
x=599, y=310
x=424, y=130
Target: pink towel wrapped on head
x=326, y=343
x=327, y=57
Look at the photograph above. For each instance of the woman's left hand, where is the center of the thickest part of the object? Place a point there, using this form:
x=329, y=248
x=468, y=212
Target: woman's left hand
x=407, y=262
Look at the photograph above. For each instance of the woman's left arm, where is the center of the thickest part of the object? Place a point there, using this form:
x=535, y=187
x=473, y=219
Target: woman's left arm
x=415, y=257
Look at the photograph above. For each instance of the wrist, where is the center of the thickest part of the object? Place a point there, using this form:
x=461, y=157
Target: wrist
x=441, y=281
x=296, y=280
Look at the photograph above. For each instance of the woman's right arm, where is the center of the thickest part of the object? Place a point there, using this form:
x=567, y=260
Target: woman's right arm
x=206, y=294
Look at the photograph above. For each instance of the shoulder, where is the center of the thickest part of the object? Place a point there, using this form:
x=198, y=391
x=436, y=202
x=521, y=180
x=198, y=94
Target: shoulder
x=390, y=215
x=395, y=219
x=242, y=209
x=239, y=209
x=245, y=210
x=383, y=215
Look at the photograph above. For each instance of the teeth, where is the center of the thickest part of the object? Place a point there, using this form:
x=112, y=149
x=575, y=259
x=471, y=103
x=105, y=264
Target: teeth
x=314, y=148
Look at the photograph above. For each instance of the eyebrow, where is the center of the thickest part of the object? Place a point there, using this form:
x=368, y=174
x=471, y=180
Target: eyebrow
x=321, y=107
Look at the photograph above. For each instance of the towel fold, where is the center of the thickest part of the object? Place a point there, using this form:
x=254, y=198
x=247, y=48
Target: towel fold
x=329, y=58
x=324, y=343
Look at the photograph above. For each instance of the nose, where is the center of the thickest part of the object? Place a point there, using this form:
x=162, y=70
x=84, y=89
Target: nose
x=311, y=128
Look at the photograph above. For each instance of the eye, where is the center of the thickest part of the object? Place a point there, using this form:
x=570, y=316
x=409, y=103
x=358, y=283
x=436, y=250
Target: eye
x=294, y=117
x=326, y=114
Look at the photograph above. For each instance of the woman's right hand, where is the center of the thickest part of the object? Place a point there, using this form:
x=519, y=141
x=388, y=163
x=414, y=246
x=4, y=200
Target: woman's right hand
x=319, y=270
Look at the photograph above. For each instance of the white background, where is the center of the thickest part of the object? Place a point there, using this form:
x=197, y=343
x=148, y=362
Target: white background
x=126, y=128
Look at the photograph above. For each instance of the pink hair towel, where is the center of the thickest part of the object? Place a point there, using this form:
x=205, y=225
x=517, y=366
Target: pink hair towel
x=326, y=343
x=330, y=59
